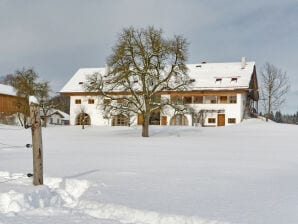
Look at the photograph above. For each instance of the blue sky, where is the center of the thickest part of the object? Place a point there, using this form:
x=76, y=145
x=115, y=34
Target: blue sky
x=58, y=37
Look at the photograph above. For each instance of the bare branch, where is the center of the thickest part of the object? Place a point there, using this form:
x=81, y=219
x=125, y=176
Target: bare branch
x=275, y=85
x=143, y=64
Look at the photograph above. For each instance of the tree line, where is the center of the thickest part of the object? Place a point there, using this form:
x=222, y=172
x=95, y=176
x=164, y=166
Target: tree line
x=280, y=117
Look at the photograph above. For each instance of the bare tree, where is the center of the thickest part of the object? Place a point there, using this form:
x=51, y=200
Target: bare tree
x=25, y=83
x=143, y=64
x=61, y=102
x=42, y=92
x=6, y=79
x=83, y=117
x=274, y=87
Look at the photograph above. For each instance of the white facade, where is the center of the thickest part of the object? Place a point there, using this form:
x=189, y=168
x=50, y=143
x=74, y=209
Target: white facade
x=93, y=110
x=224, y=88
x=230, y=110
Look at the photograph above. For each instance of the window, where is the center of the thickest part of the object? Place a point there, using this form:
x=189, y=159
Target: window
x=232, y=120
x=90, y=101
x=187, y=100
x=233, y=80
x=223, y=99
x=211, y=120
x=176, y=99
x=211, y=99
x=198, y=100
x=120, y=100
x=106, y=101
x=80, y=83
x=156, y=98
x=78, y=101
x=120, y=120
x=232, y=99
x=218, y=80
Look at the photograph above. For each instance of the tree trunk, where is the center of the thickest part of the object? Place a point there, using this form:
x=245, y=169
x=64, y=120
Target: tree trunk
x=83, y=126
x=267, y=117
x=45, y=121
x=20, y=120
x=145, y=126
x=269, y=108
x=37, y=147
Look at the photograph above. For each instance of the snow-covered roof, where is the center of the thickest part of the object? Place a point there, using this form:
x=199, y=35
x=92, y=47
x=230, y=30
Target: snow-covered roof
x=205, y=76
x=75, y=84
x=7, y=90
x=64, y=115
x=216, y=76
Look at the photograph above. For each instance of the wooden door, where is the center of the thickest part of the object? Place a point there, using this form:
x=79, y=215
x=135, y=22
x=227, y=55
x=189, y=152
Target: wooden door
x=164, y=120
x=140, y=119
x=221, y=120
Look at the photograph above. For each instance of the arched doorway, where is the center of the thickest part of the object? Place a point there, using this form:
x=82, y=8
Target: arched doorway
x=83, y=119
x=179, y=119
x=155, y=117
x=120, y=120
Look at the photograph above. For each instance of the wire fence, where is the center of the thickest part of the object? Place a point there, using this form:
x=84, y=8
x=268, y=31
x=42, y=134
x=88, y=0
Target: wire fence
x=11, y=179
x=8, y=146
x=17, y=128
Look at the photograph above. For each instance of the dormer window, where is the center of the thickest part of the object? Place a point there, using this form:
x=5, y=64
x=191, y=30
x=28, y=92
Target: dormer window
x=80, y=83
x=218, y=80
x=233, y=80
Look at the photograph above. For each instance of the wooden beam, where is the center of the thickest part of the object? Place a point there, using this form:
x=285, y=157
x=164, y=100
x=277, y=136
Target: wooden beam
x=36, y=144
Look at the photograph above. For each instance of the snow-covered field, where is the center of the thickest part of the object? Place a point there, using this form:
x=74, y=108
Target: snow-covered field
x=242, y=174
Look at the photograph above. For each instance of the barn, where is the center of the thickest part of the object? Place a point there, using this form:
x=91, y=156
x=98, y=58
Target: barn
x=8, y=107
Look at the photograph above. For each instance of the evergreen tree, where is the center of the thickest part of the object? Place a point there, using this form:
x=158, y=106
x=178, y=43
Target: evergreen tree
x=278, y=117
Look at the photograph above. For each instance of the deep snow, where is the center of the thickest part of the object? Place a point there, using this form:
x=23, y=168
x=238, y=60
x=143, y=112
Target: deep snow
x=244, y=173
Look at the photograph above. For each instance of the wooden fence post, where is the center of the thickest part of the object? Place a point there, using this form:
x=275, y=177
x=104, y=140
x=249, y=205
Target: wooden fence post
x=36, y=143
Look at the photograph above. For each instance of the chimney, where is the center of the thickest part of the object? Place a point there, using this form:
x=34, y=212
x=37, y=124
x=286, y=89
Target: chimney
x=243, y=63
x=107, y=69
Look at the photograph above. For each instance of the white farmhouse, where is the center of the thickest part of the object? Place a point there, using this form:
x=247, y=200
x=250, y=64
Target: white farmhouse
x=221, y=94
x=55, y=117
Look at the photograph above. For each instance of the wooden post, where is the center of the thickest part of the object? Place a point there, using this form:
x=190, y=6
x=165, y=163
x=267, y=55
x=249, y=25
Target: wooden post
x=36, y=144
